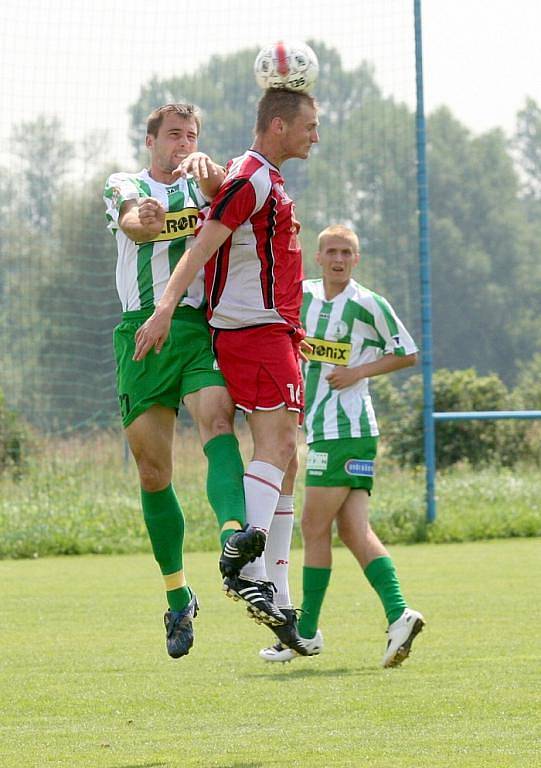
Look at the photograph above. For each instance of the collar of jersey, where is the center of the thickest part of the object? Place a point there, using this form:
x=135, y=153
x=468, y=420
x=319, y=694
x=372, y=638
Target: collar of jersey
x=259, y=156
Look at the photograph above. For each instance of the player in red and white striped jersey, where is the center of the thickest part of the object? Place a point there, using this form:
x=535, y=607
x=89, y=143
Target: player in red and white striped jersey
x=255, y=292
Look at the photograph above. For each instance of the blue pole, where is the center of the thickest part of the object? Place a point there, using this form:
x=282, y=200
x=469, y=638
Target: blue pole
x=484, y=415
x=424, y=267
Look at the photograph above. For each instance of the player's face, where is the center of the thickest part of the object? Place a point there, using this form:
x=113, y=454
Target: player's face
x=176, y=139
x=337, y=257
x=301, y=133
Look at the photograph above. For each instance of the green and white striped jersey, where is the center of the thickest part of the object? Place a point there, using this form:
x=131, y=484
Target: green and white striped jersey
x=143, y=269
x=358, y=326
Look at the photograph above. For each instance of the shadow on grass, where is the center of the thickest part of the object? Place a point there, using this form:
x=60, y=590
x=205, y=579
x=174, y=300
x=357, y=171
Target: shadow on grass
x=141, y=765
x=299, y=673
x=241, y=765
x=165, y=765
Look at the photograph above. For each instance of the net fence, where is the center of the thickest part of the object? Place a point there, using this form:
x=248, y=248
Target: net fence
x=78, y=83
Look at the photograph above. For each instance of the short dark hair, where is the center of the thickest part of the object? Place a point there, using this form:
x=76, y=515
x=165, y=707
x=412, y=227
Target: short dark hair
x=187, y=111
x=279, y=102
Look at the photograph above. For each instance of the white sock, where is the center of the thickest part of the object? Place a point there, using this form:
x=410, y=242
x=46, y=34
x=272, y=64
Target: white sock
x=262, y=484
x=277, y=550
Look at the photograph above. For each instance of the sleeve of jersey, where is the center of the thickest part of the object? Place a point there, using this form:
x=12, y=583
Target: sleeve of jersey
x=234, y=204
x=397, y=339
x=118, y=188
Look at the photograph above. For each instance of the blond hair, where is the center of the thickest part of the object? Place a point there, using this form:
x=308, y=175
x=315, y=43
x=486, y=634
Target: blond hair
x=338, y=230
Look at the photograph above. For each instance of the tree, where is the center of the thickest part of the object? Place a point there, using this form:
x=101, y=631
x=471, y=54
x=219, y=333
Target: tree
x=79, y=307
x=44, y=156
x=527, y=143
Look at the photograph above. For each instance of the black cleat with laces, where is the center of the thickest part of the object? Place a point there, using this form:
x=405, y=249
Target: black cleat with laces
x=258, y=595
x=288, y=633
x=179, y=629
x=241, y=548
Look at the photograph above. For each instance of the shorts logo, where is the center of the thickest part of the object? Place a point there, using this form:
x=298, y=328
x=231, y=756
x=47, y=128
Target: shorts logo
x=316, y=462
x=359, y=467
x=215, y=366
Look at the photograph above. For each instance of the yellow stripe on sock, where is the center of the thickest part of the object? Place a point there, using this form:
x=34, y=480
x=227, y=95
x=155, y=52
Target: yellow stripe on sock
x=231, y=525
x=174, y=580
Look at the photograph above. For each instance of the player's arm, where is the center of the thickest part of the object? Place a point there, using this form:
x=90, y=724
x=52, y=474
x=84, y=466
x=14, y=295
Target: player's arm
x=341, y=377
x=155, y=330
x=208, y=174
x=142, y=220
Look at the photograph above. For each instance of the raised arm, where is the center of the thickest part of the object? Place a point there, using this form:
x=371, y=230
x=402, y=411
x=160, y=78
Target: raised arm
x=155, y=330
x=142, y=220
x=208, y=174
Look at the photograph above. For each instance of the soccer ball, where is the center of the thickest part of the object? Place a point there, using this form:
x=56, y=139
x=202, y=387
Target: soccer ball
x=293, y=66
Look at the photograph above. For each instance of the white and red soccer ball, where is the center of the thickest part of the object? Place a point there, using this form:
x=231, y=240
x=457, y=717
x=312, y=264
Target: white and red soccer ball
x=293, y=66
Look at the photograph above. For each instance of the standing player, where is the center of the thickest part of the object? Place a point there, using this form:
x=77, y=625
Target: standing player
x=154, y=214
x=355, y=334
x=254, y=289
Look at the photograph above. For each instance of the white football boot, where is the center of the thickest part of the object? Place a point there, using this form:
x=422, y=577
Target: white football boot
x=279, y=652
x=402, y=633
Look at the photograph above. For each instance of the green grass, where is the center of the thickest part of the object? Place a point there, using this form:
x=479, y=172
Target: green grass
x=85, y=680
x=81, y=497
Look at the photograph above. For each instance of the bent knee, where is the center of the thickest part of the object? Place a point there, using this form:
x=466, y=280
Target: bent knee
x=153, y=477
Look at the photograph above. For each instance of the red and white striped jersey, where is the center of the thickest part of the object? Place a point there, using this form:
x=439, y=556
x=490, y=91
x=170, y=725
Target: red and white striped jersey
x=256, y=276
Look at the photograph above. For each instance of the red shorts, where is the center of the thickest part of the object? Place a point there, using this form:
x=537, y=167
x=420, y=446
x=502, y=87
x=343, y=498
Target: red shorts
x=261, y=367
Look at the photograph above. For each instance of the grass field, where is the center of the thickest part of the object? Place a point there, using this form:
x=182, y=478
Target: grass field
x=85, y=680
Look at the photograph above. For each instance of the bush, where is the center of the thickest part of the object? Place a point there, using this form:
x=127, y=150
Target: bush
x=13, y=441
x=477, y=442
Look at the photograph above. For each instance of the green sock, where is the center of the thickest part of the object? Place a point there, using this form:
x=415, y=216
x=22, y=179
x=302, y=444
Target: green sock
x=314, y=585
x=225, y=486
x=178, y=599
x=165, y=525
x=382, y=576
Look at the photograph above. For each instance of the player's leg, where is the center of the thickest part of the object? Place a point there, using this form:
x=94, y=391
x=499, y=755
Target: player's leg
x=150, y=437
x=212, y=410
x=278, y=544
x=274, y=433
x=356, y=533
x=209, y=403
x=277, y=553
x=321, y=505
x=263, y=377
x=320, y=508
x=149, y=397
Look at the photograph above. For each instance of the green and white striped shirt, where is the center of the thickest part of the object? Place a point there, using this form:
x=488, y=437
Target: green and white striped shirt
x=143, y=269
x=358, y=326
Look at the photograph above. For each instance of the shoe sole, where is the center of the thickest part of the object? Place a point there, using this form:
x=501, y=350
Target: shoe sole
x=403, y=651
x=260, y=616
x=274, y=660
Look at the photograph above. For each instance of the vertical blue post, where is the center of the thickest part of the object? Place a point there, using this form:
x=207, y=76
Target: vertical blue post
x=424, y=268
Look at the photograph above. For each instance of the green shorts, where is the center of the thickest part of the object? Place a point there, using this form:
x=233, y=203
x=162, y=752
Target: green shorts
x=344, y=462
x=185, y=364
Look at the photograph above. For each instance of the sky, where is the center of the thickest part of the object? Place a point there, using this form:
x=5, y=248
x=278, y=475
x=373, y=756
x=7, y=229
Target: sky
x=86, y=61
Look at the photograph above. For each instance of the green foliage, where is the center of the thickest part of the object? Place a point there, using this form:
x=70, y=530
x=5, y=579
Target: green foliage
x=99, y=690
x=14, y=442
x=480, y=247
x=81, y=496
x=479, y=442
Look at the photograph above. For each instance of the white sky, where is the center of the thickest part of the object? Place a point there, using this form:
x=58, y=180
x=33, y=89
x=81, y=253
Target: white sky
x=85, y=60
